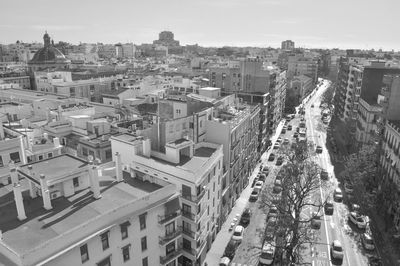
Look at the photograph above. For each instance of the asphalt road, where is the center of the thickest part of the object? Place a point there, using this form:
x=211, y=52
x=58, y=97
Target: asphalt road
x=336, y=226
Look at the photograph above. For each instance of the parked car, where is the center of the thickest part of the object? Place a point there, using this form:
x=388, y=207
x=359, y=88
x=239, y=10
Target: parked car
x=272, y=222
x=261, y=177
x=354, y=207
x=367, y=241
x=328, y=207
x=265, y=170
x=254, y=195
x=273, y=211
x=279, y=161
x=358, y=220
x=225, y=261
x=289, y=127
x=348, y=187
x=276, y=145
x=296, y=135
x=312, y=105
x=316, y=220
x=319, y=149
x=337, y=195
x=267, y=253
x=374, y=261
x=286, y=141
x=324, y=175
x=271, y=157
x=230, y=249
x=238, y=233
x=258, y=185
x=277, y=186
x=337, y=250
x=279, y=140
x=283, y=131
x=245, y=219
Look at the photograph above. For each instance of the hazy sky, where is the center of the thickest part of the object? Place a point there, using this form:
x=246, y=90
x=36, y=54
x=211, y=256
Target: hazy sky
x=361, y=24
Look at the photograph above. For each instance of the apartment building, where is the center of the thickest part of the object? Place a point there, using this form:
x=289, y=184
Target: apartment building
x=390, y=166
x=369, y=107
x=236, y=127
x=299, y=88
x=299, y=64
x=348, y=89
x=196, y=170
x=287, y=45
x=21, y=82
x=80, y=213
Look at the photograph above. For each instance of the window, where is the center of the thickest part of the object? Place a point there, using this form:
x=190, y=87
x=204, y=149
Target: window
x=49, y=155
x=145, y=262
x=172, y=263
x=76, y=181
x=104, y=240
x=143, y=242
x=105, y=262
x=142, y=220
x=14, y=156
x=85, y=152
x=178, y=111
x=40, y=157
x=125, y=253
x=84, y=253
x=124, y=229
x=108, y=154
x=170, y=248
x=170, y=228
x=1, y=162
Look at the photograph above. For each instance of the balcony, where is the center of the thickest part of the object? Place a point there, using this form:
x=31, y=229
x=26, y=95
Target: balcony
x=189, y=250
x=162, y=219
x=189, y=233
x=168, y=237
x=194, y=198
x=189, y=215
x=167, y=258
x=199, y=215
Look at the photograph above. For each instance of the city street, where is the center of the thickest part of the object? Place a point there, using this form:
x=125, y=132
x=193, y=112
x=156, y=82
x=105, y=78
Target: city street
x=336, y=226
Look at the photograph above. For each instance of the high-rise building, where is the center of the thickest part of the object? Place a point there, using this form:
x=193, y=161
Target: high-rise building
x=287, y=45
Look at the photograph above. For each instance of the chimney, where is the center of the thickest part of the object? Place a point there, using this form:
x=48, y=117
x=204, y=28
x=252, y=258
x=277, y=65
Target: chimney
x=94, y=180
x=118, y=167
x=45, y=193
x=1, y=131
x=56, y=142
x=31, y=185
x=19, y=201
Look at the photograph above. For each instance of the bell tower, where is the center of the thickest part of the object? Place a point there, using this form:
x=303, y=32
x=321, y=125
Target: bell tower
x=46, y=39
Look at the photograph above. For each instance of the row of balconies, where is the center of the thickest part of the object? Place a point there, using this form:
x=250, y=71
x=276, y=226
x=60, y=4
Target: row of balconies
x=194, y=198
x=171, y=255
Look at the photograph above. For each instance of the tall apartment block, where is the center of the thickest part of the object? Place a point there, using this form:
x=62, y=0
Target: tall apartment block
x=287, y=45
x=196, y=170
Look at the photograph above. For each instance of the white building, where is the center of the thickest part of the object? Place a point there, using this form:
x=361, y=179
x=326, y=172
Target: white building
x=84, y=214
x=196, y=169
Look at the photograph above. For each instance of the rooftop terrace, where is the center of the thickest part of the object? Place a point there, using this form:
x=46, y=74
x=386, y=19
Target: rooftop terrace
x=68, y=214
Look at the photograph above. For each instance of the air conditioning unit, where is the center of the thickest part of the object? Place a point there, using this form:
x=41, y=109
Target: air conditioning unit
x=55, y=194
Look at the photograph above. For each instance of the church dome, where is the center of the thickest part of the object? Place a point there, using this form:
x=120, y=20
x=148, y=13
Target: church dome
x=48, y=54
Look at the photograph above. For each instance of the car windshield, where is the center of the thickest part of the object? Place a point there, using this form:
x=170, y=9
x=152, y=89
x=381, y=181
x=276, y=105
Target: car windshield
x=236, y=233
x=369, y=241
x=360, y=219
x=269, y=254
x=337, y=248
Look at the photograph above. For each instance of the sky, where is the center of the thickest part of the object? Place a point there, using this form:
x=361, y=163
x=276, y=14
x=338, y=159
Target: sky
x=358, y=24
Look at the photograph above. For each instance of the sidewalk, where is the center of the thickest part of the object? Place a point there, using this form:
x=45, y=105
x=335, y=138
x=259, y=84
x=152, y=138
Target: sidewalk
x=221, y=241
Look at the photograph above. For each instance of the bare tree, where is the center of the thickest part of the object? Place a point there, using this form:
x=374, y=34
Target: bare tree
x=295, y=203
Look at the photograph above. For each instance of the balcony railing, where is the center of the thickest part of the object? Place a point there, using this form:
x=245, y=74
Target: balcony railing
x=167, y=258
x=168, y=237
x=194, y=198
x=189, y=215
x=162, y=219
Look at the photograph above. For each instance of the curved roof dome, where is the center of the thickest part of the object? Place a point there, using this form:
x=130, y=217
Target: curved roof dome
x=48, y=54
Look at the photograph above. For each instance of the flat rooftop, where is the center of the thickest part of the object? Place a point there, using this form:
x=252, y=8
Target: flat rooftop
x=195, y=164
x=54, y=167
x=67, y=213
